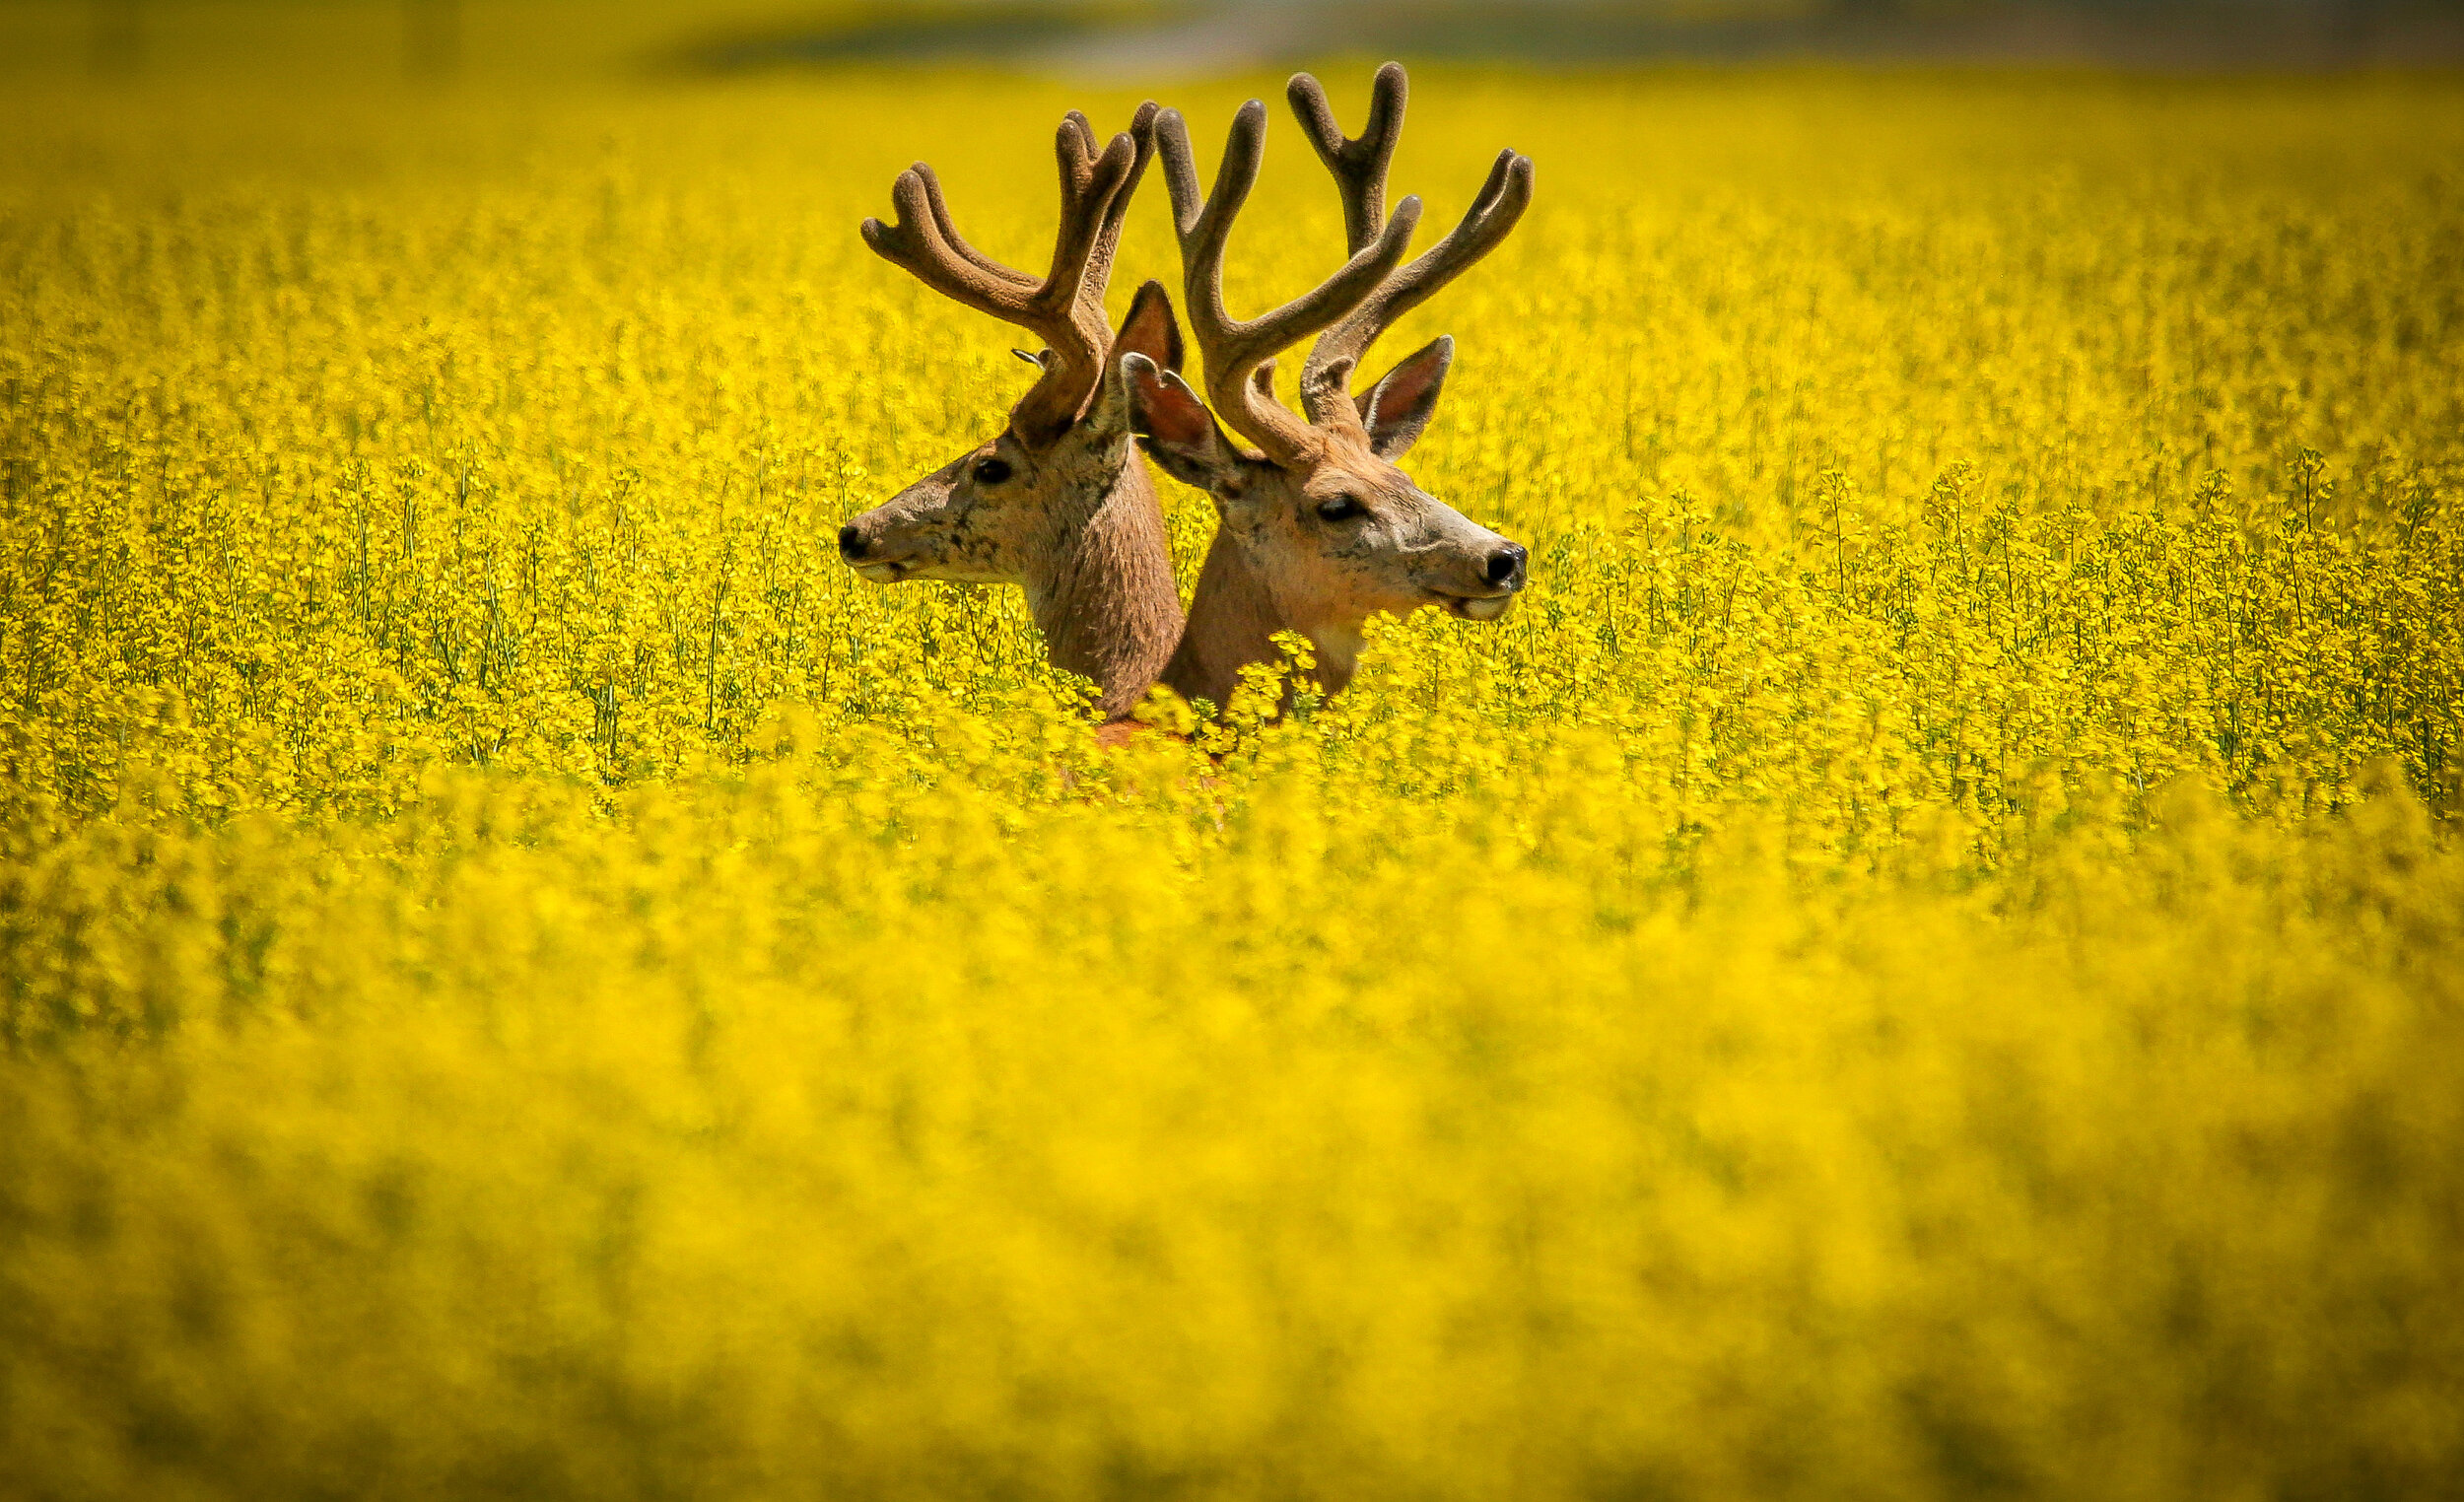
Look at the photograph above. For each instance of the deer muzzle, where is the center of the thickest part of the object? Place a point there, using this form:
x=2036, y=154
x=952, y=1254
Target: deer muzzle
x=866, y=556
x=1503, y=572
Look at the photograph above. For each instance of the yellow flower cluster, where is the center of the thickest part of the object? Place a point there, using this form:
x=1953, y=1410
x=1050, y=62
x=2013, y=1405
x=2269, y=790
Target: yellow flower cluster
x=1926, y=958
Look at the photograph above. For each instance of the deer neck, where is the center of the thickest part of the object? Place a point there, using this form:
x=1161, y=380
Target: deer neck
x=1104, y=595
x=1232, y=621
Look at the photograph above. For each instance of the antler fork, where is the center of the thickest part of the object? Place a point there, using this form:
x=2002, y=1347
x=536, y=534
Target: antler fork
x=1359, y=168
x=1066, y=309
x=1239, y=355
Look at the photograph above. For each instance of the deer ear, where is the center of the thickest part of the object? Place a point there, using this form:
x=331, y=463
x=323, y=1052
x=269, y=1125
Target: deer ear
x=1398, y=408
x=1149, y=330
x=1180, y=432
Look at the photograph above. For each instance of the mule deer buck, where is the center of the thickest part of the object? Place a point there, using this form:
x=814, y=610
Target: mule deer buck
x=1319, y=528
x=1056, y=501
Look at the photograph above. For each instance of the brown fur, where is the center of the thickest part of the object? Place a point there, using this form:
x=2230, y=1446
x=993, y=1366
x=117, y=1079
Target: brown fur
x=1077, y=523
x=1103, y=593
x=1319, y=529
x=1278, y=563
x=1057, y=501
x=1232, y=623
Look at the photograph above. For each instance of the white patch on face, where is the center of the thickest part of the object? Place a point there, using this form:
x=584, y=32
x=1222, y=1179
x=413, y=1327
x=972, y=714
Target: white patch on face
x=1338, y=647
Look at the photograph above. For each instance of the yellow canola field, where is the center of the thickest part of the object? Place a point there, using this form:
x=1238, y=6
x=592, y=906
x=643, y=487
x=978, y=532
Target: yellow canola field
x=1925, y=959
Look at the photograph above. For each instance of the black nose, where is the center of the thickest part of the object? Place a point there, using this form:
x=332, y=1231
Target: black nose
x=1505, y=566
x=852, y=545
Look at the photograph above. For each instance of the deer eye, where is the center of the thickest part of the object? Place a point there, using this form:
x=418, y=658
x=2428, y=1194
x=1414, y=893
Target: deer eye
x=1342, y=508
x=991, y=472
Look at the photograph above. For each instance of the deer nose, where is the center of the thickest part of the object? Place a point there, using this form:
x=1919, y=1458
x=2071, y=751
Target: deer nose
x=852, y=544
x=1505, y=566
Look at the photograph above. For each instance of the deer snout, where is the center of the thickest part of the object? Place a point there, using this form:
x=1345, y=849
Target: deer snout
x=864, y=547
x=1486, y=577
x=1506, y=567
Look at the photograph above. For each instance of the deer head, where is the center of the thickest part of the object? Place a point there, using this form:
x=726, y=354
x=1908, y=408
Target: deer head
x=1056, y=501
x=1328, y=530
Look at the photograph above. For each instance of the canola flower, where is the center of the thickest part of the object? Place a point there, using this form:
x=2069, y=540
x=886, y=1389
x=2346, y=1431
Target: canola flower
x=1921, y=959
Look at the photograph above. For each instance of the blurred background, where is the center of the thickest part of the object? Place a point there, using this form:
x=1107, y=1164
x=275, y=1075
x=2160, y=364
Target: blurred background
x=542, y=42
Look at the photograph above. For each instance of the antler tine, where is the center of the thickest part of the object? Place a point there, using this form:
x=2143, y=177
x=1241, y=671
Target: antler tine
x=1089, y=183
x=1238, y=354
x=1057, y=308
x=949, y=230
x=1108, y=240
x=1069, y=316
x=1359, y=166
x=1326, y=379
x=919, y=242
